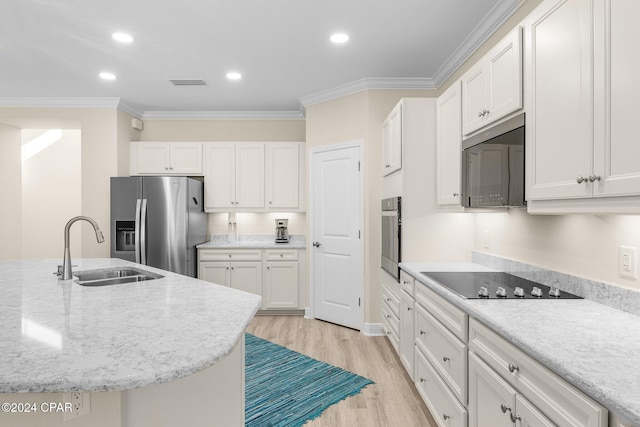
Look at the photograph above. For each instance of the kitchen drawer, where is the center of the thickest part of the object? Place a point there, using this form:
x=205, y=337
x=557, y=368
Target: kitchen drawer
x=445, y=351
x=281, y=255
x=407, y=283
x=391, y=300
x=392, y=319
x=230, y=255
x=558, y=400
x=454, y=319
x=392, y=335
x=443, y=405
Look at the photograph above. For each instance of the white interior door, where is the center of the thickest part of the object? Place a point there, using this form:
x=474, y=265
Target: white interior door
x=337, y=256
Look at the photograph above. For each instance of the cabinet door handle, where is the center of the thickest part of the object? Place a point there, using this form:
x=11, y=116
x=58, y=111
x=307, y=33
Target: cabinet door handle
x=504, y=408
x=455, y=194
x=513, y=368
x=515, y=418
x=409, y=308
x=445, y=416
x=594, y=178
x=387, y=166
x=316, y=244
x=422, y=332
x=268, y=268
x=422, y=380
x=445, y=359
x=581, y=179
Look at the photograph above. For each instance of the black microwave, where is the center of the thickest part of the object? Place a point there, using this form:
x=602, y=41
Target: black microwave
x=493, y=166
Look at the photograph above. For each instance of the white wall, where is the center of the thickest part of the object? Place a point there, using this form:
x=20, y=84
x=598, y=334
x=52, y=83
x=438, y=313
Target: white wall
x=10, y=193
x=51, y=195
x=580, y=245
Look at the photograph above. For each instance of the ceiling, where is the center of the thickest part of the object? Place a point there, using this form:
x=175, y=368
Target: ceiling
x=53, y=50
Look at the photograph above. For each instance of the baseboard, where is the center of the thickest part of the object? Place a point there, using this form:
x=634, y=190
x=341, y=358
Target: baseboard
x=373, y=329
x=282, y=312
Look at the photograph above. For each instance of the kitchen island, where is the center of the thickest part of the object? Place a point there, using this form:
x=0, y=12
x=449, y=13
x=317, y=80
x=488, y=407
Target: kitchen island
x=157, y=352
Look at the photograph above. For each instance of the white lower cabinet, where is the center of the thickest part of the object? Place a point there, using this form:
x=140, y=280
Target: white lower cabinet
x=391, y=310
x=442, y=404
x=276, y=275
x=493, y=402
x=549, y=394
x=447, y=354
x=407, y=322
x=280, y=280
x=468, y=375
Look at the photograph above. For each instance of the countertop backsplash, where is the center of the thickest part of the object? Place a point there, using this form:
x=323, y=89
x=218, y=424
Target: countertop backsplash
x=617, y=297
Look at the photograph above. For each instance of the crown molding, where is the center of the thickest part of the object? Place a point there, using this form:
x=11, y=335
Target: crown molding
x=223, y=115
x=59, y=102
x=366, y=84
x=480, y=34
x=130, y=109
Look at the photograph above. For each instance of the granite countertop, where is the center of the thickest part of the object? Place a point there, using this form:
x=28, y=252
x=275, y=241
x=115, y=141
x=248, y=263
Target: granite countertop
x=253, y=241
x=594, y=347
x=58, y=336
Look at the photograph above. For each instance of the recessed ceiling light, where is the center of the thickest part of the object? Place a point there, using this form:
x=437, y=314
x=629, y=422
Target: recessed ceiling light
x=107, y=76
x=232, y=75
x=122, y=37
x=339, y=38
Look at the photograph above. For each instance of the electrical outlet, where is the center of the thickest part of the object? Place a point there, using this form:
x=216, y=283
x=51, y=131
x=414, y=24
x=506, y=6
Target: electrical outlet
x=628, y=262
x=80, y=404
x=485, y=239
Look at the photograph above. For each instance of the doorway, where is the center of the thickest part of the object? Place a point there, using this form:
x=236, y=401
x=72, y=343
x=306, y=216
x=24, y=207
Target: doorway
x=336, y=223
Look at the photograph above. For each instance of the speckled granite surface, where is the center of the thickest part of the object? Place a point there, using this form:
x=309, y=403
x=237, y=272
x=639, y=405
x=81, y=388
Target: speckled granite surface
x=592, y=346
x=58, y=336
x=253, y=241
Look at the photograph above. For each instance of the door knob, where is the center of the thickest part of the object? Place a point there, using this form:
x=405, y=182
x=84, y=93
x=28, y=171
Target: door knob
x=316, y=244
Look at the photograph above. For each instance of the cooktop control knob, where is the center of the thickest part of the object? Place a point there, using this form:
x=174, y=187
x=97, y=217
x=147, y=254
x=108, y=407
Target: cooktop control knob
x=483, y=292
x=536, y=292
x=518, y=292
x=554, y=292
x=501, y=292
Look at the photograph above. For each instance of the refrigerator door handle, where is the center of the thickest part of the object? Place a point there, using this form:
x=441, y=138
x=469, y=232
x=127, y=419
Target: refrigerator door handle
x=136, y=240
x=143, y=233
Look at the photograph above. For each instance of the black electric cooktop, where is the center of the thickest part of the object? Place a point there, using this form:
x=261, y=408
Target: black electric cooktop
x=495, y=285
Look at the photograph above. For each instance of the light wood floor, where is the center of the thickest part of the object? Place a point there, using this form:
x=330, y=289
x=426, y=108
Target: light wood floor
x=391, y=401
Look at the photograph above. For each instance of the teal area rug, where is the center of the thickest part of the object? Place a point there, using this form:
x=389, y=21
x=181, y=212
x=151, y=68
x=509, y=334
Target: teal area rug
x=284, y=388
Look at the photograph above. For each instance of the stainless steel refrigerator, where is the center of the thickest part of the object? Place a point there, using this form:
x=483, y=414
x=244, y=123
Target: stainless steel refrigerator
x=158, y=221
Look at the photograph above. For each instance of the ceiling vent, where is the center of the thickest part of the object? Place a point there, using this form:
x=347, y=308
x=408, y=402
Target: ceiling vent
x=188, y=82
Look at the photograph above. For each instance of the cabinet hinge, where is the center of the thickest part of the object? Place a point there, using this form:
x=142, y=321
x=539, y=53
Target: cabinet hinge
x=358, y=234
x=358, y=164
x=358, y=302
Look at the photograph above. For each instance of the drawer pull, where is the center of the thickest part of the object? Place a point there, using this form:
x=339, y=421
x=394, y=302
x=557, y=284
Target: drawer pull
x=388, y=333
x=504, y=408
x=445, y=359
x=229, y=255
x=513, y=368
x=445, y=416
x=515, y=418
x=423, y=380
x=423, y=332
x=388, y=316
x=387, y=299
x=409, y=308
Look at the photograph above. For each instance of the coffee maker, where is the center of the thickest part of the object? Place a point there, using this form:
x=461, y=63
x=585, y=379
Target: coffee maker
x=282, y=234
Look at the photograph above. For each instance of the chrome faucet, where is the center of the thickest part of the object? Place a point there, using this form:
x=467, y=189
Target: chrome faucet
x=66, y=263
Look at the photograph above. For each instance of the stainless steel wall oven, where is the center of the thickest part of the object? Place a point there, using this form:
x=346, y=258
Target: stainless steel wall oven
x=391, y=232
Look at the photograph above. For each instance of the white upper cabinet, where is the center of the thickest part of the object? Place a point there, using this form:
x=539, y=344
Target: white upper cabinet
x=492, y=89
x=616, y=145
x=283, y=175
x=448, y=146
x=392, y=141
x=580, y=96
x=166, y=158
x=252, y=176
x=234, y=175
